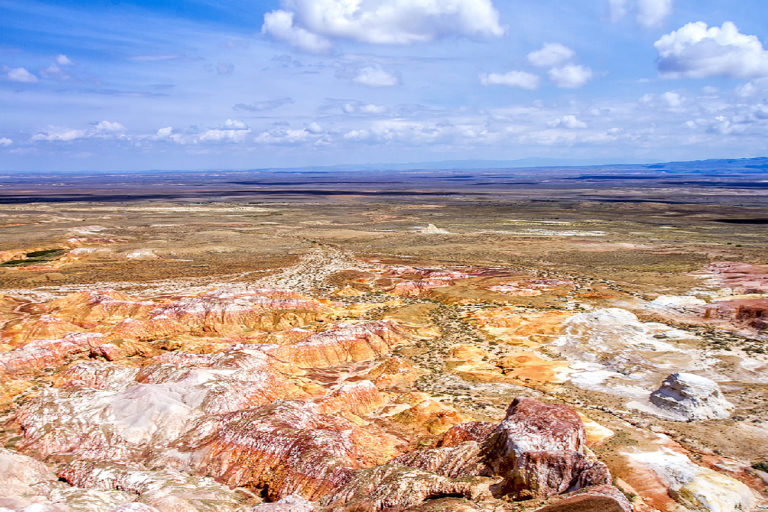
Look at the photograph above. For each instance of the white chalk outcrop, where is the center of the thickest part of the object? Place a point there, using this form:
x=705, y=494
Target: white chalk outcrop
x=691, y=397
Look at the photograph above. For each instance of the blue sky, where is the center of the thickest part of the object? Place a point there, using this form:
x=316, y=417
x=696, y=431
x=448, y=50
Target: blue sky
x=126, y=85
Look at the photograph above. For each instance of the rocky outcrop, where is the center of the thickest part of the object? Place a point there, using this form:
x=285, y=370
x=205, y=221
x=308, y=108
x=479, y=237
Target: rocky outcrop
x=162, y=489
x=346, y=343
x=537, y=451
x=540, y=450
x=287, y=504
x=104, y=413
x=460, y=461
x=396, y=487
x=358, y=398
x=471, y=431
x=284, y=448
x=749, y=312
x=691, y=397
x=693, y=486
x=28, y=485
x=47, y=353
x=742, y=277
x=92, y=308
x=224, y=311
x=604, y=498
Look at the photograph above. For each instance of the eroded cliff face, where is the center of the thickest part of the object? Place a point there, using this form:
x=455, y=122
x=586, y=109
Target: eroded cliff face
x=386, y=388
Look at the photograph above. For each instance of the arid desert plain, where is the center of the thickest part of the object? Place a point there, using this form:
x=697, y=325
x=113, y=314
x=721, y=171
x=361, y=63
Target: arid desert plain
x=426, y=341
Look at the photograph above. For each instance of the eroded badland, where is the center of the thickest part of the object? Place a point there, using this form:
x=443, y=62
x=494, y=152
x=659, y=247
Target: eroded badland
x=365, y=353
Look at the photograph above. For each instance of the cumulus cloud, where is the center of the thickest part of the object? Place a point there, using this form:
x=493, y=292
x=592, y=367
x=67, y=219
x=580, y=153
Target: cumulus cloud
x=100, y=130
x=264, y=106
x=571, y=76
x=512, y=79
x=310, y=24
x=232, y=131
x=651, y=13
x=63, y=60
x=21, y=75
x=109, y=127
x=699, y=51
x=5, y=141
x=550, y=55
x=375, y=76
x=168, y=133
x=568, y=121
x=280, y=25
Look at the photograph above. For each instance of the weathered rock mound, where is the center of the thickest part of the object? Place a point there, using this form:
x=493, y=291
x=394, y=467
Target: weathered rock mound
x=540, y=450
x=691, y=397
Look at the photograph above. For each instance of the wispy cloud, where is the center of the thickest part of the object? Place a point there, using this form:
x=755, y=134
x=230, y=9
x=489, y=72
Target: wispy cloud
x=264, y=106
x=519, y=79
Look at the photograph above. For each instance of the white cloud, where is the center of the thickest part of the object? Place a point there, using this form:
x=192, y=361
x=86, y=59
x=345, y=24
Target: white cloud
x=308, y=24
x=375, y=76
x=752, y=88
x=5, y=141
x=59, y=134
x=551, y=54
x=571, y=76
x=363, y=108
x=233, y=124
x=232, y=131
x=54, y=71
x=512, y=79
x=651, y=13
x=281, y=136
x=617, y=9
x=699, y=51
x=164, y=133
x=568, y=121
x=21, y=75
x=672, y=99
x=280, y=25
x=167, y=133
x=101, y=130
x=109, y=126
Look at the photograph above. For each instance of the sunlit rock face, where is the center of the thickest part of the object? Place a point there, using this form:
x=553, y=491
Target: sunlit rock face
x=611, y=349
x=40, y=354
x=604, y=498
x=159, y=489
x=284, y=448
x=540, y=450
x=691, y=397
x=347, y=343
x=692, y=486
x=743, y=278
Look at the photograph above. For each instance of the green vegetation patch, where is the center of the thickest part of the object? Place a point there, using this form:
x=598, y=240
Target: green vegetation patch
x=35, y=258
